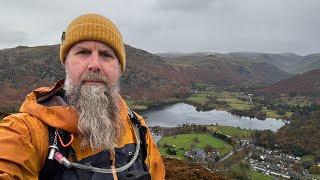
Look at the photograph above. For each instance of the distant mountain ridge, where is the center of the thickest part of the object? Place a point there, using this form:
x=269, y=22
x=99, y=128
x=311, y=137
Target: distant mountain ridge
x=308, y=63
x=148, y=78
x=215, y=68
x=283, y=61
x=288, y=62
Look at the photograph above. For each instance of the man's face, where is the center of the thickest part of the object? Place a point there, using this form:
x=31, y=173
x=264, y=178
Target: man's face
x=93, y=56
x=91, y=86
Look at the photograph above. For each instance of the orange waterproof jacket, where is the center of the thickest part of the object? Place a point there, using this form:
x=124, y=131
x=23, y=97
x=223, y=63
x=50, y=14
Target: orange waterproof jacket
x=24, y=137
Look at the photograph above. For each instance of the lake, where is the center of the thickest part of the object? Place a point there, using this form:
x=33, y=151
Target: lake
x=173, y=115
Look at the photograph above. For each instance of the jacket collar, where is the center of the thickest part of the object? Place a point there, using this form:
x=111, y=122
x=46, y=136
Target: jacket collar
x=52, y=110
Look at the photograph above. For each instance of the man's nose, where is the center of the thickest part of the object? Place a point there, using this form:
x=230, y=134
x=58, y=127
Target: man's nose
x=94, y=63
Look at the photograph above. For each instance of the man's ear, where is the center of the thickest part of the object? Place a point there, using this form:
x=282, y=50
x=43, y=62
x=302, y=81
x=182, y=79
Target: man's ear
x=66, y=59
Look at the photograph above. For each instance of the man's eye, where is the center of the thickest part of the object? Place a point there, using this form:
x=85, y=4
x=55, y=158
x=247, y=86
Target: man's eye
x=84, y=52
x=106, y=55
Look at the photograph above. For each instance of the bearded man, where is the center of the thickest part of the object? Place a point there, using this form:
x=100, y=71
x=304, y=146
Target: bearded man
x=82, y=116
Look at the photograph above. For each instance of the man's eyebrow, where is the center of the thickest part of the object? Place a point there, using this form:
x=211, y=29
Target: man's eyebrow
x=109, y=51
x=79, y=47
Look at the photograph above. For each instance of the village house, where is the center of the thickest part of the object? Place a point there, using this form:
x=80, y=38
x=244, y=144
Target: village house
x=196, y=153
x=199, y=154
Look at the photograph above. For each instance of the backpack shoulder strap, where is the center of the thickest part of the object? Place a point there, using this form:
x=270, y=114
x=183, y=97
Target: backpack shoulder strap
x=142, y=131
x=52, y=170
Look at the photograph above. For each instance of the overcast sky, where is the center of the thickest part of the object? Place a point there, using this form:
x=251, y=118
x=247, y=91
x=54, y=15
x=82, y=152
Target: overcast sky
x=222, y=26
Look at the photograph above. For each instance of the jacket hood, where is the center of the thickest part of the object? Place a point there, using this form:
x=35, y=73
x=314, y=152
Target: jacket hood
x=52, y=110
x=62, y=117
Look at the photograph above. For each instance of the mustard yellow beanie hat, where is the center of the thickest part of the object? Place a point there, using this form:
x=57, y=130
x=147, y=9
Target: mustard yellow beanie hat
x=93, y=27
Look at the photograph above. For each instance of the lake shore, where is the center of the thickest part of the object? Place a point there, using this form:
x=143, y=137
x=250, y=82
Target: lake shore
x=180, y=113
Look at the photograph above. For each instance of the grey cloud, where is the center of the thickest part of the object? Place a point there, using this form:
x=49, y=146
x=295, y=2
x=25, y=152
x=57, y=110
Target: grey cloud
x=174, y=25
x=12, y=37
x=183, y=5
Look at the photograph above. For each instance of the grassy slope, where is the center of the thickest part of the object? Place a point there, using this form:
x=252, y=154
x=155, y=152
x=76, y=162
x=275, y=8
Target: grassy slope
x=229, y=97
x=308, y=158
x=236, y=103
x=134, y=106
x=185, y=141
x=273, y=114
x=251, y=174
x=232, y=131
x=259, y=176
x=183, y=170
x=198, y=98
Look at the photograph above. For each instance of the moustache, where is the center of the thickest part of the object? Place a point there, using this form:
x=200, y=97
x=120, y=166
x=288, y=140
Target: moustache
x=94, y=77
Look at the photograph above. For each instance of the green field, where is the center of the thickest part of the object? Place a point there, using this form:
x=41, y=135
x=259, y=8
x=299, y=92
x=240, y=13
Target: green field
x=316, y=176
x=273, y=114
x=185, y=140
x=250, y=174
x=232, y=131
x=230, y=97
x=258, y=176
x=308, y=158
x=235, y=103
x=134, y=105
x=198, y=98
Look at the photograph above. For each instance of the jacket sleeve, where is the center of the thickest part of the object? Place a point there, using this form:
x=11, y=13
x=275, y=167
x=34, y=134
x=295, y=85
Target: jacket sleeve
x=18, y=158
x=154, y=160
x=157, y=169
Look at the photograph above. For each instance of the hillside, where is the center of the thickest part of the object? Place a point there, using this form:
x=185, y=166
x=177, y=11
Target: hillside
x=283, y=61
x=23, y=69
x=215, y=69
x=301, y=83
x=307, y=63
x=148, y=79
x=289, y=62
x=182, y=170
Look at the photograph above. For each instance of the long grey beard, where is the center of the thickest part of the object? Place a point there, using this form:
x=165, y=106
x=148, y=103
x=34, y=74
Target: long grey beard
x=100, y=125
